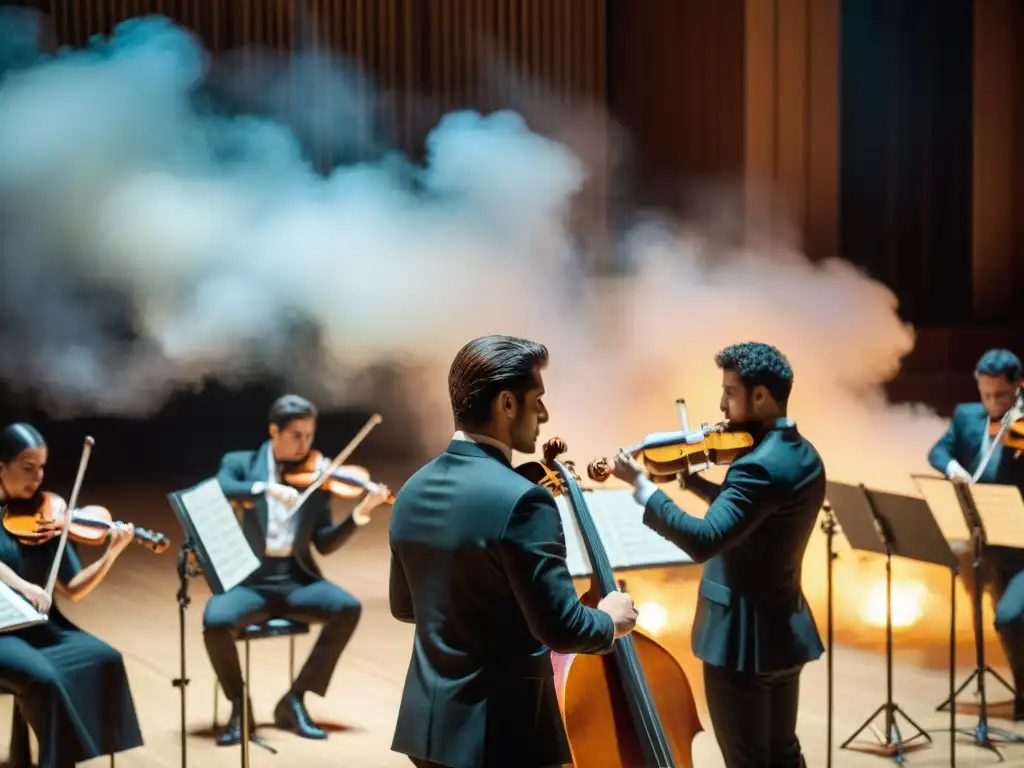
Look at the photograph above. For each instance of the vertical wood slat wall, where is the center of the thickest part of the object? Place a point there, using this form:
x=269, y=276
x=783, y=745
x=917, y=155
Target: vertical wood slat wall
x=426, y=56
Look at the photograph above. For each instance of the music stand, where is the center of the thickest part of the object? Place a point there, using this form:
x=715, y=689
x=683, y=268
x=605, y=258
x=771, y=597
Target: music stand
x=194, y=560
x=890, y=524
x=992, y=514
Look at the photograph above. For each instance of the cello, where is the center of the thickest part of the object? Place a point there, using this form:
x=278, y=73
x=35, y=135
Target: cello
x=613, y=714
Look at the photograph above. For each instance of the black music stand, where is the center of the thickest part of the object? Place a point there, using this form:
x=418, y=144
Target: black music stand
x=193, y=560
x=829, y=526
x=983, y=734
x=890, y=524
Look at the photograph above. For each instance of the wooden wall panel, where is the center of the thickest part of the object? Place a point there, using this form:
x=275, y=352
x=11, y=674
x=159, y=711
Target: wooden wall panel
x=677, y=84
x=426, y=56
x=792, y=120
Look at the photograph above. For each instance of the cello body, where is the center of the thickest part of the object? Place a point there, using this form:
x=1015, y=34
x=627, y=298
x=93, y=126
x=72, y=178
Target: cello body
x=598, y=724
x=632, y=707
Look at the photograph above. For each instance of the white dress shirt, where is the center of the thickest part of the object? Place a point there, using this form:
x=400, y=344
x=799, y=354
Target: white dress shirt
x=280, y=520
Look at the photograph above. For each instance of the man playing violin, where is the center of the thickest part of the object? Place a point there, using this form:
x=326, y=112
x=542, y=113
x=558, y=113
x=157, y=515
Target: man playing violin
x=958, y=455
x=478, y=564
x=71, y=687
x=288, y=584
x=753, y=630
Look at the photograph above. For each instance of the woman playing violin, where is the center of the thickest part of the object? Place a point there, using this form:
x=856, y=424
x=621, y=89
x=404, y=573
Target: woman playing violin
x=71, y=687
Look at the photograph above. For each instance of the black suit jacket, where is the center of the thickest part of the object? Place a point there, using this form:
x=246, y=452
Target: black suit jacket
x=240, y=469
x=478, y=564
x=963, y=441
x=751, y=615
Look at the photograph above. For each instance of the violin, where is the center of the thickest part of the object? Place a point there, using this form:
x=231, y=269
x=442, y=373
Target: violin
x=347, y=481
x=1012, y=435
x=667, y=455
x=1008, y=431
x=32, y=521
x=613, y=713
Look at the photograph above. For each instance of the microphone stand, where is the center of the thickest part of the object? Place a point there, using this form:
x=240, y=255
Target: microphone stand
x=828, y=526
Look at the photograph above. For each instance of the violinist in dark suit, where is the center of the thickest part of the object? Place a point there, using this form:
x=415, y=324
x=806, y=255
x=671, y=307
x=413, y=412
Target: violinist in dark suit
x=958, y=455
x=478, y=565
x=288, y=584
x=754, y=630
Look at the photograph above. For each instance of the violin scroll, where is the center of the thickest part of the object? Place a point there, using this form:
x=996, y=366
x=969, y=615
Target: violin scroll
x=545, y=473
x=599, y=470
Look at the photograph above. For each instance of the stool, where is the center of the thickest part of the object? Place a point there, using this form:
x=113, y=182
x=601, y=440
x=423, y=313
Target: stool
x=269, y=628
x=20, y=751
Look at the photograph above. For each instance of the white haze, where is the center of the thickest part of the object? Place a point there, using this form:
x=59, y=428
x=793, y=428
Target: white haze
x=222, y=235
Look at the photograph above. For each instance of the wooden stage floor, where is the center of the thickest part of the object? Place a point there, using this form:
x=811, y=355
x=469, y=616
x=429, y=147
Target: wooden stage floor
x=135, y=610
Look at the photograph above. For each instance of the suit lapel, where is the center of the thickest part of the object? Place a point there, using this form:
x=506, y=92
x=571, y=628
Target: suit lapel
x=261, y=473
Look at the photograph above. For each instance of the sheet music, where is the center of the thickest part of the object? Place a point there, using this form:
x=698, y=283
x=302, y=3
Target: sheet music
x=1002, y=513
x=15, y=611
x=213, y=519
x=945, y=506
x=619, y=522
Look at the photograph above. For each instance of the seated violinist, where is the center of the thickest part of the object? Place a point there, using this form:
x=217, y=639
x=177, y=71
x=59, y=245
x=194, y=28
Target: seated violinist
x=958, y=455
x=71, y=687
x=289, y=583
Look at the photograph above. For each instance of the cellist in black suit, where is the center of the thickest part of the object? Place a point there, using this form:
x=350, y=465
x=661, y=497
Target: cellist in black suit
x=754, y=630
x=478, y=565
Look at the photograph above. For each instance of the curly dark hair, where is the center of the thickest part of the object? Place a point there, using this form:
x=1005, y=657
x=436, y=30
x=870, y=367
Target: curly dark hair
x=485, y=367
x=999, y=362
x=756, y=363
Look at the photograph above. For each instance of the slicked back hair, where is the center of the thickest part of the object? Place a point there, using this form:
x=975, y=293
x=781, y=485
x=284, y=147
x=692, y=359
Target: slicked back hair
x=485, y=367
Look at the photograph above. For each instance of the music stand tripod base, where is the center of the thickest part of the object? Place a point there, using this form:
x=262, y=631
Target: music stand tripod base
x=890, y=525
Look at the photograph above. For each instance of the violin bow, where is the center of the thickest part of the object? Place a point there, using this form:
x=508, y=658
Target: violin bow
x=83, y=462
x=338, y=460
x=1016, y=412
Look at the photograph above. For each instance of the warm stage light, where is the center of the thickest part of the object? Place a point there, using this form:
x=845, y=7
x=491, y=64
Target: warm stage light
x=652, y=617
x=909, y=598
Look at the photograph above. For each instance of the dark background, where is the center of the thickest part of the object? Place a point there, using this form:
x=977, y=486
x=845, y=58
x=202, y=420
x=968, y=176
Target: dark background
x=888, y=125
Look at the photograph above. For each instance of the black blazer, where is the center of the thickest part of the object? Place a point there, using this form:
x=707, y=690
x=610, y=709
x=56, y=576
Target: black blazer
x=752, y=616
x=478, y=564
x=240, y=469
x=963, y=441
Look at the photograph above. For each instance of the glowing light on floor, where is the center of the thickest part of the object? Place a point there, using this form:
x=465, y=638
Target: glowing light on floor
x=652, y=617
x=908, y=603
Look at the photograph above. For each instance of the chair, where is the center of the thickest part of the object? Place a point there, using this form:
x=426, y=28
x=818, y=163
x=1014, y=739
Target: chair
x=269, y=628
x=20, y=751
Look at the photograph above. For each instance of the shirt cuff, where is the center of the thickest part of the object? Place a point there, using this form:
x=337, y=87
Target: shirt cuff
x=644, y=490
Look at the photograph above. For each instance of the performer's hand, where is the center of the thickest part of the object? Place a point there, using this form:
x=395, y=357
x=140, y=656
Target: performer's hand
x=284, y=494
x=120, y=537
x=377, y=496
x=627, y=468
x=957, y=473
x=35, y=595
x=620, y=607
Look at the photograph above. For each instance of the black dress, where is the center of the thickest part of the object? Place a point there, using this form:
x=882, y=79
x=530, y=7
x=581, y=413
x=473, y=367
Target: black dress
x=71, y=687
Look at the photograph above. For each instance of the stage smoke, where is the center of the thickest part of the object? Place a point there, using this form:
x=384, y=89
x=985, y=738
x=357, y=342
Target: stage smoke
x=123, y=187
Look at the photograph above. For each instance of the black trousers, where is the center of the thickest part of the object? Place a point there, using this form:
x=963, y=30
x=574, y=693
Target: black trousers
x=754, y=717
x=280, y=590
x=1002, y=574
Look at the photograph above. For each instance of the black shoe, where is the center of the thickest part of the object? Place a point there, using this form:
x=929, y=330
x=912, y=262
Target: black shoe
x=232, y=733
x=290, y=715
